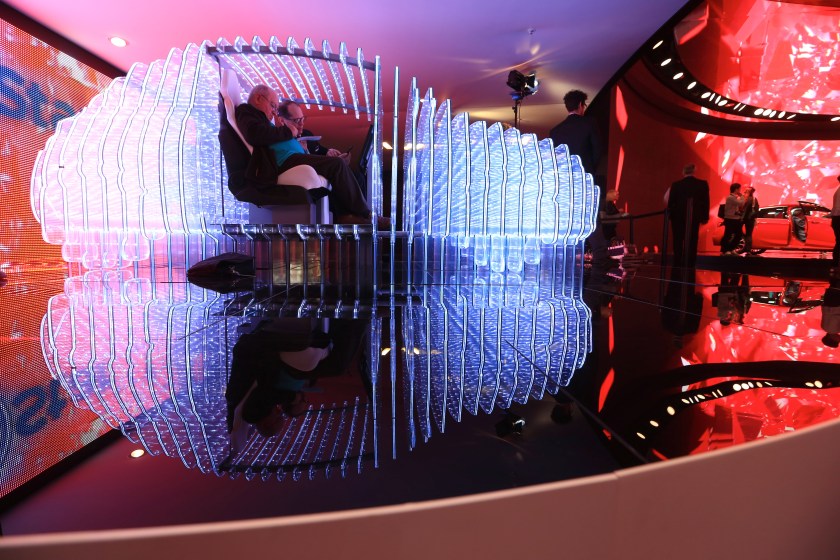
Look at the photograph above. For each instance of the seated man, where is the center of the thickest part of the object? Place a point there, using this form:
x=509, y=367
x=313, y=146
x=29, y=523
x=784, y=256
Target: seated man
x=276, y=150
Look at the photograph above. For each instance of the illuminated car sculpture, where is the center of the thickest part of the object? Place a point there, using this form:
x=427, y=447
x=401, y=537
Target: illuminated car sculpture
x=801, y=226
x=143, y=162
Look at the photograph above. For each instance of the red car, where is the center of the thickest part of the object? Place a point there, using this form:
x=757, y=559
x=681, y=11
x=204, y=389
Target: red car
x=802, y=226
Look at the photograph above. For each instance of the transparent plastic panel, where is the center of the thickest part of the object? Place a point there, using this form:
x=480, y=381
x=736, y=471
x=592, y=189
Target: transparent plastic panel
x=439, y=210
x=459, y=177
x=333, y=67
x=410, y=160
x=348, y=72
x=424, y=153
x=496, y=196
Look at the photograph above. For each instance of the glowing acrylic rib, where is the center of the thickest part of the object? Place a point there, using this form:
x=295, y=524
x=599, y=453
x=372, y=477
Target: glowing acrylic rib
x=321, y=70
x=342, y=97
x=490, y=339
x=348, y=72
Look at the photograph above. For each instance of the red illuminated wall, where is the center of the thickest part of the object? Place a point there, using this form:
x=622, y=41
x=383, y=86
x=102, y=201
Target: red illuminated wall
x=39, y=85
x=777, y=55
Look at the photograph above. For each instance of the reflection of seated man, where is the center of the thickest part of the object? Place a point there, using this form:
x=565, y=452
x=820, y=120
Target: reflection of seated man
x=830, y=321
x=276, y=150
x=274, y=367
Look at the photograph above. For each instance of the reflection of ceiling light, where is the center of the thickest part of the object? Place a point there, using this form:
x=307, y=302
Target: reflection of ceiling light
x=678, y=75
x=691, y=85
x=665, y=62
x=835, y=119
x=137, y=453
x=758, y=112
x=387, y=146
x=118, y=41
x=705, y=95
x=657, y=45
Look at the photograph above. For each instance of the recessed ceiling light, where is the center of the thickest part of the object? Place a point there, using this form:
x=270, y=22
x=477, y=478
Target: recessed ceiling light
x=118, y=41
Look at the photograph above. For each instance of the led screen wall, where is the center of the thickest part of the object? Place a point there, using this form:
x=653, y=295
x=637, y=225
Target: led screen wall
x=781, y=56
x=39, y=85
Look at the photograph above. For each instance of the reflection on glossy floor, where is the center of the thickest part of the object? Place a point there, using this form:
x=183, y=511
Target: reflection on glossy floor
x=384, y=379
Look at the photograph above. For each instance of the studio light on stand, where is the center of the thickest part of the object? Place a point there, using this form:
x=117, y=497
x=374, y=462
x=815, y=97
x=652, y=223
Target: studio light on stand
x=522, y=87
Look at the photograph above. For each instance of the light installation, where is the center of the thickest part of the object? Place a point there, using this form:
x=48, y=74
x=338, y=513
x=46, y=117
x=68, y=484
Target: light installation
x=142, y=161
x=152, y=360
x=480, y=340
x=502, y=192
x=155, y=359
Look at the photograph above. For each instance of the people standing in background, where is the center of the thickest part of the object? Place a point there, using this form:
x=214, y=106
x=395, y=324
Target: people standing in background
x=579, y=132
x=835, y=225
x=688, y=206
x=750, y=212
x=610, y=215
x=732, y=220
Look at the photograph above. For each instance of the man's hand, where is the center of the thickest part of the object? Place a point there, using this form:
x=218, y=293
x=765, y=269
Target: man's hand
x=332, y=152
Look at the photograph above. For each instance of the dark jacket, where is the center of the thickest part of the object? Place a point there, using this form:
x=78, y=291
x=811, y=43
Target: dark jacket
x=260, y=133
x=689, y=189
x=580, y=134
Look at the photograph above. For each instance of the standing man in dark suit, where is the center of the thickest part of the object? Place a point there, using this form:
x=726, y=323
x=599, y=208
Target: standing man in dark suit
x=835, y=225
x=688, y=207
x=578, y=132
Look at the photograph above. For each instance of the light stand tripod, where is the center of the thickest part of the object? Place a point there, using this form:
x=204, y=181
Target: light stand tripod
x=517, y=102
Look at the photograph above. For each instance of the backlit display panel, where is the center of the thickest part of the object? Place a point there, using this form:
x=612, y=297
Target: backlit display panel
x=39, y=86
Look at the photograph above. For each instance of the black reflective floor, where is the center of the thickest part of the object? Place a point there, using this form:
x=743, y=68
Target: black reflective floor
x=345, y=373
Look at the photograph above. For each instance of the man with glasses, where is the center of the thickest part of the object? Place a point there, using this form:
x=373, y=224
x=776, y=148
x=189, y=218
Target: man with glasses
x=276, y=149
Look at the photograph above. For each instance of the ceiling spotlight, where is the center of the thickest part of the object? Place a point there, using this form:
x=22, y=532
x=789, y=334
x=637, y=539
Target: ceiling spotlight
x=118, y=41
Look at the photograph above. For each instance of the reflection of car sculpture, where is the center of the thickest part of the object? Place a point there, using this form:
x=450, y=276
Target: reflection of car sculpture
x=799, y=226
